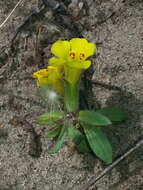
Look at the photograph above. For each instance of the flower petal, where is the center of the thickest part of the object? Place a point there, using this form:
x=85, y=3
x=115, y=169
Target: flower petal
x=50, y=76
x=55, y=79
x=56, y=62
x=60, y=48
x=54, y=74
x=81, y=45
x=79, y=64
x=41, y=76
x=40, y=73
x=42, y=81
x=86, y=64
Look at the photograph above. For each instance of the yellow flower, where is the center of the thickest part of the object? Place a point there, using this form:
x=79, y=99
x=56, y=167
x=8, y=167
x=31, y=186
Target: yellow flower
x=50, y=76
x=71, y=56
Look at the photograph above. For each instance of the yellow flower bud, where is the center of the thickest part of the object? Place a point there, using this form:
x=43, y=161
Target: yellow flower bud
x=50, y=76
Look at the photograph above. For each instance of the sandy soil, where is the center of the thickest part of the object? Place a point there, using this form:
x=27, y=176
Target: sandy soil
x=117, y=29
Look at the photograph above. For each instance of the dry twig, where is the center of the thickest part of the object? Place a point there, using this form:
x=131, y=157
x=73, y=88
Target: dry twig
x=93, y=180
x=3, y=23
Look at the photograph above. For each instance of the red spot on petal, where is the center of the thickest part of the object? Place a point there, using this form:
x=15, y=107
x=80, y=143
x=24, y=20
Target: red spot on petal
x=81, y=56
x=72, y=55
x=40, y=73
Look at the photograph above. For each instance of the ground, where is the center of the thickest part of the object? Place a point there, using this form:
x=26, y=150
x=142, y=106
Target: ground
x=117, y=29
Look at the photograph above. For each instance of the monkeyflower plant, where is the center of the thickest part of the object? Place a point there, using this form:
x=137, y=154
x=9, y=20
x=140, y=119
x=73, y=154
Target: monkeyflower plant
x=60, y=82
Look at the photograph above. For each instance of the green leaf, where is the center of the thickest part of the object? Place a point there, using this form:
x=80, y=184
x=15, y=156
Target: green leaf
x=71, y=96
x=53, y=132
x=60, y=138
x=79, y=139
x=49, y=117
x=113, y=113
x=93, y=118
x=99, y=143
